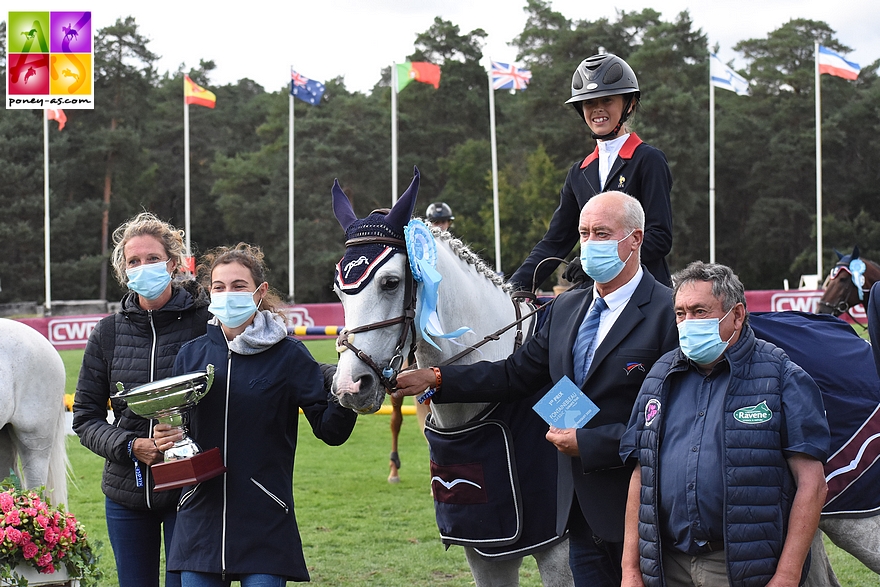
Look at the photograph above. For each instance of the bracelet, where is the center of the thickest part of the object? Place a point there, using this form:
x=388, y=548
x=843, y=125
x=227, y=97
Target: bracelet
x=438, y=377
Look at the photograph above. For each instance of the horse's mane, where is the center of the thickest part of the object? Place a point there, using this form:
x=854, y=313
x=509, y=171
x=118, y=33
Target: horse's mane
x=463, y=252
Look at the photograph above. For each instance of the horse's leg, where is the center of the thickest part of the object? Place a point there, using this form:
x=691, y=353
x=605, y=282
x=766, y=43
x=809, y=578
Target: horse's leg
x=34, y=448
x=858, y=536
x=7, y=453
x=821, y=574
x=493, y=573
x=553, y=565
x=396, y=422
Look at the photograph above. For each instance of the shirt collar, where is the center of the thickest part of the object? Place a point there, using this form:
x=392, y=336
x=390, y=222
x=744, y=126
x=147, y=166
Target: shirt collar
x=621, y=295
x=612, y=146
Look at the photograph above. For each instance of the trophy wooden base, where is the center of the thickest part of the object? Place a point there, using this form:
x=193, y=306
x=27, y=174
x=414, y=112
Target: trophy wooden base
x=201, y=467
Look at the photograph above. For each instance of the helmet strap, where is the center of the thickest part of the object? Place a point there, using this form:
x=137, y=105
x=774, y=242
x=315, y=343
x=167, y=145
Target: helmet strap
x=623, y=118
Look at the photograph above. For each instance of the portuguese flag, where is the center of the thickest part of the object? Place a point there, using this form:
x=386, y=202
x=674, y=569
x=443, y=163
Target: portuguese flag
x=193, y=93
x=418, y=71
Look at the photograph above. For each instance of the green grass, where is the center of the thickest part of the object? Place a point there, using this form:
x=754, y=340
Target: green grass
x=357, y=529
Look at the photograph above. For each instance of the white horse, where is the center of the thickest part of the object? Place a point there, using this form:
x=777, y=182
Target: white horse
x=32, y=410
x=470, y=294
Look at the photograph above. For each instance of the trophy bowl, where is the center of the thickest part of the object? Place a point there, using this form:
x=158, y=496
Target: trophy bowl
x=170, y=401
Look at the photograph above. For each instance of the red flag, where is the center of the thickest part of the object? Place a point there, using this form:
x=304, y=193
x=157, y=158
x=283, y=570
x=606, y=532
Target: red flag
x=57, y=114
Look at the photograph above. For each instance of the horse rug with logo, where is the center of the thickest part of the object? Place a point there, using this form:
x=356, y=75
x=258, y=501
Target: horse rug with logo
x=502, y=506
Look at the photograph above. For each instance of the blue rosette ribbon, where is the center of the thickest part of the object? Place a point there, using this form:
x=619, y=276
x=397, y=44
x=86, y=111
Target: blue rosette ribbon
x=857, y=269
x=421, y=250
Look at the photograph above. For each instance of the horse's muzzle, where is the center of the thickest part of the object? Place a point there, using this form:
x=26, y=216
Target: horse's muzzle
x=364, y=396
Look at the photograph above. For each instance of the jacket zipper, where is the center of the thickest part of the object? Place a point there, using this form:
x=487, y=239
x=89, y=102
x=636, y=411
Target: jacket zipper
x=186, y=496
x=153, y=345
x=277, y=499
x=225, y=452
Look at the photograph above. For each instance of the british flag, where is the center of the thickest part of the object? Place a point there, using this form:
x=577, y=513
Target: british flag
x=508, y=77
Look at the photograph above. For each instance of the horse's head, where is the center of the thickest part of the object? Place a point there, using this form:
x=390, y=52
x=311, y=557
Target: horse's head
x=841, y=291
x=377, y=293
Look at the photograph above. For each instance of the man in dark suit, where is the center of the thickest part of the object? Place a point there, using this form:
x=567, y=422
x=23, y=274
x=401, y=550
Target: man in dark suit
x=636, y=325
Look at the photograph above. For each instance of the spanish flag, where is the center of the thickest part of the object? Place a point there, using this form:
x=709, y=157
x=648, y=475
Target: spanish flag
x=193, y=93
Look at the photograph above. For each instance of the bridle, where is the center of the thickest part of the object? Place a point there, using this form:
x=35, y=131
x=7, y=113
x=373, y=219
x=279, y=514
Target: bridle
x=841, y=306
x=388, y=374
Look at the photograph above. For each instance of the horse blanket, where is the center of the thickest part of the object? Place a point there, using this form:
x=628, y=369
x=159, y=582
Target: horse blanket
x=494, y=488
x=842, y=365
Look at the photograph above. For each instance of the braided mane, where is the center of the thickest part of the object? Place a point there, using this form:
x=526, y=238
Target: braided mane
x=463, y=252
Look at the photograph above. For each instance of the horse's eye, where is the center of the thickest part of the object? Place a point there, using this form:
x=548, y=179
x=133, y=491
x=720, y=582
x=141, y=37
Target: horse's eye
x=389, y=283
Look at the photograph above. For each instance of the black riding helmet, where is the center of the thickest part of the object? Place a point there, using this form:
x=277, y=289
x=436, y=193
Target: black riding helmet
x=438, y=212
x=604, y=75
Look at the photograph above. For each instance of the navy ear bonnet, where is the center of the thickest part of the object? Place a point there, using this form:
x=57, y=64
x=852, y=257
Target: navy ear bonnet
x=357, y=266
x=360, y=262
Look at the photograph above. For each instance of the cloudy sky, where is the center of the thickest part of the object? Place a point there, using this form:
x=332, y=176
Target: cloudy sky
x=357, y=38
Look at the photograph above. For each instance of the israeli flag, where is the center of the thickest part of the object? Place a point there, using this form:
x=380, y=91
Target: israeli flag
x=724, y=77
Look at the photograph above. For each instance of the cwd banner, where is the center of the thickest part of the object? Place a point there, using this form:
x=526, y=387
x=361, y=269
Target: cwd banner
x=50, y=60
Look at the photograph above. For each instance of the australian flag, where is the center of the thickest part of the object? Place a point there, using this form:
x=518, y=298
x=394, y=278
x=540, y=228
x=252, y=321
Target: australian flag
x=507, y=77
x=307, y=90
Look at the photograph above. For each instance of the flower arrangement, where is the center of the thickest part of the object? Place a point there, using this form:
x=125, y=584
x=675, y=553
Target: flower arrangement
x=36, y=534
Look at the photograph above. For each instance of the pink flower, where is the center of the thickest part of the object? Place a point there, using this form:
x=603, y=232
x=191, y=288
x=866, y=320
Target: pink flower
x=51, y=536
x=44, y=560
x=29, y=550
x=42, y=520
x=13, y=535
x=6, y=502
x=12, y=518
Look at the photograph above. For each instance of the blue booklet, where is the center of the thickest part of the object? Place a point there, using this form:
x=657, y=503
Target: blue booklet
x=566, y=406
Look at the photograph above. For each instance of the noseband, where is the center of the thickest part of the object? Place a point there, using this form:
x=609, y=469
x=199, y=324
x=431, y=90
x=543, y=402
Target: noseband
x=387, y=375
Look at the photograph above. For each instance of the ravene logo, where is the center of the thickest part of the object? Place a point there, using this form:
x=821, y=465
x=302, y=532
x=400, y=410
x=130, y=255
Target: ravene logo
x=754, y=414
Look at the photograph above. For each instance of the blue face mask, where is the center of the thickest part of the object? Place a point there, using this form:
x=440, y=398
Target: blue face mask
x=600, y=259
x=700, y=340
x=150, y=280
x=233, y=308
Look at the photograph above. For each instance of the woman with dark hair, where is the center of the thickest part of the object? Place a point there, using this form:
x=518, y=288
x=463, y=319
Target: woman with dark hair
x=241, y=525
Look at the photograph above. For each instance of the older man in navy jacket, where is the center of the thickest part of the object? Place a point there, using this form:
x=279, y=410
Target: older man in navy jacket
x=636, y=326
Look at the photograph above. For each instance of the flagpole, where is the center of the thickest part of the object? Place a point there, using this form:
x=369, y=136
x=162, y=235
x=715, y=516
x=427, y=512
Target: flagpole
x=819, y=272
x=711, y=168
x=290, y=205
x=186, y=178
x=393, y=133
x=46, y=237
x=495, y=207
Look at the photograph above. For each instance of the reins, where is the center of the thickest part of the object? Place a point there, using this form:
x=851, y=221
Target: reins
x=388, y=375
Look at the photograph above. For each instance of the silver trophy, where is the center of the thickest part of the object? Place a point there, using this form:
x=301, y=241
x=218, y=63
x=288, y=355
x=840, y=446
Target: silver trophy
x=170, y=401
